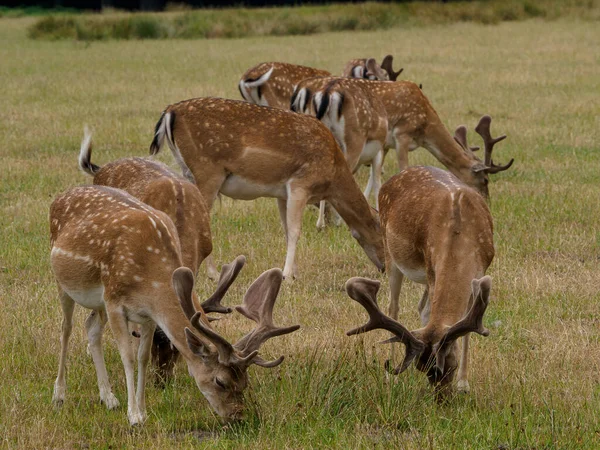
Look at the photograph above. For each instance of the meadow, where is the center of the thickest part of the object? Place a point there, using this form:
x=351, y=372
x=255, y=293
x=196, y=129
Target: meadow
x=535, y=381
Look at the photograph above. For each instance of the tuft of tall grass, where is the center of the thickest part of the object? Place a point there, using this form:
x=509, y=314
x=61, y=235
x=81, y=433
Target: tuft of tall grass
x=242, y=22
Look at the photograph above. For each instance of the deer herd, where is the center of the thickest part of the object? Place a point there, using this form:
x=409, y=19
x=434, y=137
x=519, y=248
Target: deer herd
x=129, y=246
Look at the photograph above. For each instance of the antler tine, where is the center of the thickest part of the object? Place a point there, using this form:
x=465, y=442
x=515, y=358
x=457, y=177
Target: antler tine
x=472, y=322
x=183, y=283
x=364, y=291
x=229, y=273
x=224, y=348
x=483, y=129
x=386, y=65
x=258, y=306
x=460, y=136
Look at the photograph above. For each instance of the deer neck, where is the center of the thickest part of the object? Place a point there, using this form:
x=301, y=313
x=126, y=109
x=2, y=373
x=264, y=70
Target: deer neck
x=442, y=145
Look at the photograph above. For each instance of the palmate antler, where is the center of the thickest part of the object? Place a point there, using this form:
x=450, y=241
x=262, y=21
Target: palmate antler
x=471, y=323
x=460, y=136
x=364, y=291
x=386, y=65
x=483, y=130
x=257, y=305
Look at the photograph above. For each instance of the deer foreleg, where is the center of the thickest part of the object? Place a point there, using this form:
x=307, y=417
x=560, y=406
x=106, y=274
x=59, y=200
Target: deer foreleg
x=296, y=202
x=321, y=219
x=94, y=326
x=118, y=325
x=402, y=148
x=147, y=333
x=60, y=385
x=463, y=383
x=396, y=278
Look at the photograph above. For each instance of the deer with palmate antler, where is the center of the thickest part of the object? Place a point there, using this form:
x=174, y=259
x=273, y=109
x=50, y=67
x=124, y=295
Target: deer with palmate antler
x=246, y=151
x=368, y=69
x=158, y=186
x=438, y=232
x=413, y=123
x=122, y=259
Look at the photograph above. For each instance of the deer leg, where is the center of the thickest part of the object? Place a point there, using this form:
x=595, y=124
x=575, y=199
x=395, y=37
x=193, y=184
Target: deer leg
x=282, y=206
x=321, y=219
x=118, y=325
x=211, y=269
x=94, y=326
x=402, y=148
x=396, y=278
x=294, y=207
x=463, y=383
x=60, y=385
x=424, y=307
x=209, y=188
x=146, y=335
x=376, y=167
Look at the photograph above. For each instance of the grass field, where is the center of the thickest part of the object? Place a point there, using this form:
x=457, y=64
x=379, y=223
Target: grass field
x=535, y=381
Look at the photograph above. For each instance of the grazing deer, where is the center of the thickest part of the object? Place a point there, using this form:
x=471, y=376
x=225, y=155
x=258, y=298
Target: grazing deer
x=122, y=259
x=413, y=123
x=245, y=151
x=439, y=232
x=369, y=69
x=158, y=186
x=272, y=83
x=358, y=122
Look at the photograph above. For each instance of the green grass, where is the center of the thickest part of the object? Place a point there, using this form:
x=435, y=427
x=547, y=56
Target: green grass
x=535, y=381
x=239, y=22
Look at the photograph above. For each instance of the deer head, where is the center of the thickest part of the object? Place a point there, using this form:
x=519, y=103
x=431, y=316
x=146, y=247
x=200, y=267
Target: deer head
x=436, y=357
x=220, y=370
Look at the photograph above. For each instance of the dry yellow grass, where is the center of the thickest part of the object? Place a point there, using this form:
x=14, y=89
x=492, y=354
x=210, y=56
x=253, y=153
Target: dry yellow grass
x=535, y=381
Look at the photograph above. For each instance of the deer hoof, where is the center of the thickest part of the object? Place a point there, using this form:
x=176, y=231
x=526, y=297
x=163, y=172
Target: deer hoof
x=463, y=387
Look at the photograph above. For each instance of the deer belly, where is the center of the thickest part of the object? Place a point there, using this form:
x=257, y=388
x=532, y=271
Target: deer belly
x=239, y=188
x=91, y=298
x=369, y=152
x=416, y=274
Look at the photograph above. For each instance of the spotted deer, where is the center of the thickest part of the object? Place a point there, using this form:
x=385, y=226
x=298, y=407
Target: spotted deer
x=158, y=186
x=369, y=69
x=413, y=123
x=358, y=122
x=438, y=232
x=272, y=83
x=245, y=151
x=122, y=259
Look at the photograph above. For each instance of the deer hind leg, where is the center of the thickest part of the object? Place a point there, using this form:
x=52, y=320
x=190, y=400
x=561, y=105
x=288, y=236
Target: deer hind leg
x=396, y=278
x=321, y=219
x=146, y=336
x=295, y=204
x=94, y=326
x=118, y=325
x=60, y=385
x=463, y=383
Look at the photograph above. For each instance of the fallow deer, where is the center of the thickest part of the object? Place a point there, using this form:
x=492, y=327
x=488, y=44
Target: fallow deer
x=369, y=69
x=413, y=123
x=245, y=151
x=439, y=232
x=358, y=121
x=272, y=83
x=158, y=186
x=122, y=259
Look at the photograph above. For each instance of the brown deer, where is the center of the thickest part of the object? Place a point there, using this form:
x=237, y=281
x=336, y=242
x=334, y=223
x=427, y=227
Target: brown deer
x=158, y=186
x=439, y=232
x=358, y=122
x=245, y=151
x=122, y=259
x=272, y=83
x=369, y=69
x=413, y=123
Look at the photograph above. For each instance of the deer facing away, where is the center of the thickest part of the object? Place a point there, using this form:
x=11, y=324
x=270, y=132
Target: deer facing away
x=122, y=259
x=245, y=151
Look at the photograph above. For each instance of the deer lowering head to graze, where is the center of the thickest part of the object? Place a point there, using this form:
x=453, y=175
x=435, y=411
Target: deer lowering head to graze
x=369, y=69
x=438, y=232
x=245, y=151
x=158, y=186
x=358, y=121
x=413, y=123
x=122, y=259
x=272, y=83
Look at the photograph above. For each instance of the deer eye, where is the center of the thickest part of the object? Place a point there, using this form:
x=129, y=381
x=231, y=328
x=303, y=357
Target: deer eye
x=220, y=383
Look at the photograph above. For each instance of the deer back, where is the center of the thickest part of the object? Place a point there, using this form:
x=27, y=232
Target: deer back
x=272, y=83
x=158, y=186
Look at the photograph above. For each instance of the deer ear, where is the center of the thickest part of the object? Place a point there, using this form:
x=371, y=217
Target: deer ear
x=371, y=65
x=197, y=347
